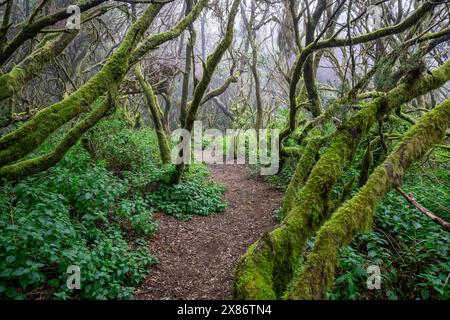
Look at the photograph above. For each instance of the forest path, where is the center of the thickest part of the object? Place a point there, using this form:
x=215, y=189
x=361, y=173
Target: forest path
x=197, y=257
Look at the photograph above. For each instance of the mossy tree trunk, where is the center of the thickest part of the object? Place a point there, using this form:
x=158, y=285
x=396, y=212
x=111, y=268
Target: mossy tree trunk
x=33, y=26
x=309, y=72
x=208, y=71
x=269, y=264
x=5, y=24
x=306, y=162
x=22, y=169
x=167, y=110
x=157, y=115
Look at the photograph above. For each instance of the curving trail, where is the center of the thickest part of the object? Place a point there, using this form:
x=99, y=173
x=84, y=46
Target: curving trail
x=197, y=258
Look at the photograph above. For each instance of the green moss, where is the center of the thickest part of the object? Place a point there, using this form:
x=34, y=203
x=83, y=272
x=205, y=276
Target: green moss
x=356, y=214
x=332, y=42
x=254, y=277
x=302, y=170
x=19, y=170
x=311, y=205
x=208, y=70
x=262, y=274
x=33, y=64
x=20, y=142
x=155, y=40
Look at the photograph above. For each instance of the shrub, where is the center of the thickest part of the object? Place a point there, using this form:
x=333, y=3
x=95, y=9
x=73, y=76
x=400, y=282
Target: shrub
x=124, y=148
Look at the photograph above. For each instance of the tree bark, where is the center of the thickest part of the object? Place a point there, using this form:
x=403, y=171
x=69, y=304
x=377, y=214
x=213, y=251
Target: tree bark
x=357, y=214
x=156, y=113
x=270, y=262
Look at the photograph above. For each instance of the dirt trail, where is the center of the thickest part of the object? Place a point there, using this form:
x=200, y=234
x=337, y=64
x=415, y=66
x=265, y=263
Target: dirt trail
x=197, y=258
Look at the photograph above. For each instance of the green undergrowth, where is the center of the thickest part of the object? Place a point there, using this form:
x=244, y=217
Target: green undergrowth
x=67, y=216
x=135, y=157
x=195, y=195
x=94, y=209
x=281, y=180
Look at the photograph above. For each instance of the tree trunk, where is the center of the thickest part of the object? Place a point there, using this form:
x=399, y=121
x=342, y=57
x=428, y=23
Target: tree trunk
x=155, y=111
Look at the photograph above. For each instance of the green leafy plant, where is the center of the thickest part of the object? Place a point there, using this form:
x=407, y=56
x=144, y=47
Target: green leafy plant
x=138, y=214
x=195, y=195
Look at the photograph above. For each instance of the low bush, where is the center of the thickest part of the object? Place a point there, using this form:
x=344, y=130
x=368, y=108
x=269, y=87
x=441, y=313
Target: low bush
x=94, y=210
x=61, y=218
x=195, y=195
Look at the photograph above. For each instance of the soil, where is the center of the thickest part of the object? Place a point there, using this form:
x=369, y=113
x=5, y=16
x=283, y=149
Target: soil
x=197, y=258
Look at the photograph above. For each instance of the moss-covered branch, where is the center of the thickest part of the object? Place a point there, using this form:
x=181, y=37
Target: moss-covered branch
x=209, y=68
x=31, y=28
x=302, y=170
x=188, y=65
x=211, y=64
x=268, y=265
x=220, y=90
x=309, y=71
x=154, y=41
x=156, y=113
x=356, y=214
x=28, y=68
x=7, y=13
x=20, y=142
x=319, y=121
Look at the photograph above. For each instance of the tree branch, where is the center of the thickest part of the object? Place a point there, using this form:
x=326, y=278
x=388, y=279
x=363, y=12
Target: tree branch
x=410, y=197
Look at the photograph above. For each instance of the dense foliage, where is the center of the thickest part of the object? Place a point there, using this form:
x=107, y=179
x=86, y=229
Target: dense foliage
x=358, y=91
x=411, y=250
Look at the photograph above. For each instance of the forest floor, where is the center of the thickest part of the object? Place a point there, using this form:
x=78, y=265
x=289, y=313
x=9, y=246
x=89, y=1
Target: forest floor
x=197, y=258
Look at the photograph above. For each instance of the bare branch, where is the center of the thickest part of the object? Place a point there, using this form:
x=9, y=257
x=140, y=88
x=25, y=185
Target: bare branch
x=410, y=197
